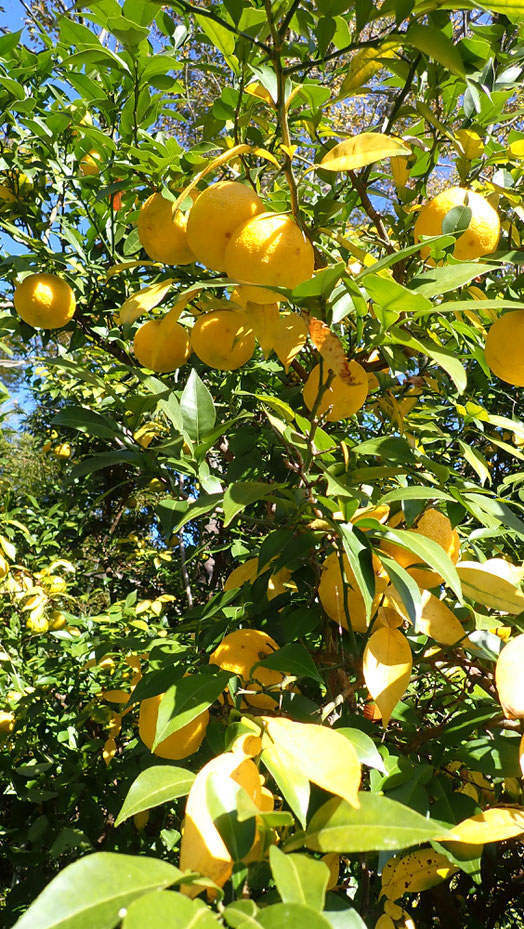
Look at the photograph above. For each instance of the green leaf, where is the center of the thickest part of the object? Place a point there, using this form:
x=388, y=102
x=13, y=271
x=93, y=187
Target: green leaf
x=293, y=659
x=299, y=879
x=445, y=358
x=499, y=510
x=222, y=38
x=440, y=280
x=391, y=448
x=166, y=908
x=365, y=748
x=242, y=915
x=432, y=42
x=292, y=916
x=222, y=797
x=187, y=699
x=359, y=553
x=156, y=785
x=198, y=409
x=78, y=417
x=415, y=493
x=427, y=551
x=105, y=460
x=242, y=494
x=294, y=787
x=91, y=892
x=378, y=824
x=476, y=460
x=205, y=503
x=395, y=298
x=408, y=588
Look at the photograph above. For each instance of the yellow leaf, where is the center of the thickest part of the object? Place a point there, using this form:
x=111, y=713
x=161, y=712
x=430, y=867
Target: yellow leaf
x=256, y=89
x=289, y=150
x=521, y=754
x=319, y=753
x=8, y=547
x=385, y=922
x=221, y=159
x=470, y=143
x=508, y=678
x=436, y=621
x=330, y=347
x=263, y=153
x=127, y=265
x=143, y=300
x=516, y=149
x=387, y=668
x=109, y=751
x=400, y=170
x=290, y=338
x=417, y=871
x=361, y=150
x=488, y=583
x=115, y=696
x=494, y=825
x=363, y=66
x=264, y=319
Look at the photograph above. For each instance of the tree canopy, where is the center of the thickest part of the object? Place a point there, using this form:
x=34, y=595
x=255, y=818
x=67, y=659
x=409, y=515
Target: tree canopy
x=263, y=516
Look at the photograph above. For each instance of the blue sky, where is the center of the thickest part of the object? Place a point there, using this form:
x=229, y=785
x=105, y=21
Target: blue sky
x=14, y=15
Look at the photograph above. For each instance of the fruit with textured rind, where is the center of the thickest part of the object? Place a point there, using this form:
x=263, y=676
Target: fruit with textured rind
x=44, y=301
x=238, y=652
x=215, y=216
x=162, y=231
x=340, y=398
x=179, y=744
x=173, y=351
x=508, y=678
x=90, y=163
x=223, y=339
x=503, y=349
x=482, y=235
x=433, y=525
x=269, y=250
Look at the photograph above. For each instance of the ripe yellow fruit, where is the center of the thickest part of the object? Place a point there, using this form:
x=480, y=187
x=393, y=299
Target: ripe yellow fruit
x=180, y=744
x=482, y=235
x=508, y=678
x=37, y=624
x=269, y=250
x=238, y=652
x=44, y=301
x=90, y=163
x=340, y=399
x=433, y=525
x=162, y=231
x=156, y=485
x=331, y=592
x=215, y=216
x=7, y=721
x=63, y=450
x=223, y=339
x=172, y=352
x=57, y=620
x=503, y=348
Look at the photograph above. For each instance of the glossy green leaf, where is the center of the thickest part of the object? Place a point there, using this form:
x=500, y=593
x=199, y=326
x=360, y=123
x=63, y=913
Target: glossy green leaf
x=427, y=551
x=197, y=407
x=432, y=42
x=185, y=700
x=365, y=748
x=292, y=916
x=166, y=908
x=378, y=824
x=156, y=785
x=242, y=494
x=91, y=892
x=299, y=878
x=294, y=787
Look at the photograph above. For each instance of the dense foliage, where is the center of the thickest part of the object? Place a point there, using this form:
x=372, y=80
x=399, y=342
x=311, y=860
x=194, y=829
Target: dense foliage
x=130, y=496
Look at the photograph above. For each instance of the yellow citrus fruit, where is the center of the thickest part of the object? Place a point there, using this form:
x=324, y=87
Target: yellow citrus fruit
x=215, y=216
x=57, y=620
x=63, y=450
x=508, y=678
x=242, y=574
x=433, y=525
x=331, y=592
x=162, y=231
x=37, y=624
x=7, y=721
x=180, y=744
x=482, y=235
x=44, y=301
x=90, y=163
x=238, y=652
x=171, y=353
x=269, y=250
x=223, y=339
x=503, y=348
x=340, y=399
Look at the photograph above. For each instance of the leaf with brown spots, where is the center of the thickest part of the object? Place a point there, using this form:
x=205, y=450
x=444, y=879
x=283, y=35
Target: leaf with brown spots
x=330, y=347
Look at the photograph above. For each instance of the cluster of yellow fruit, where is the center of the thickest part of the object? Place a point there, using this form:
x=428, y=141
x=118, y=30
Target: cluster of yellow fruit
x=39, y=595
x=227, y=229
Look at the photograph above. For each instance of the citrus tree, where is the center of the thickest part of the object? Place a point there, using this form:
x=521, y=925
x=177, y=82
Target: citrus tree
x=262, y=529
